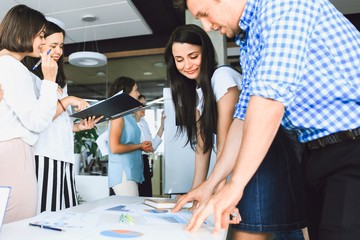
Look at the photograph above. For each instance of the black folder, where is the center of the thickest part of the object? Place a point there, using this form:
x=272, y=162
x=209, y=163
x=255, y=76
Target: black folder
x=116, y=106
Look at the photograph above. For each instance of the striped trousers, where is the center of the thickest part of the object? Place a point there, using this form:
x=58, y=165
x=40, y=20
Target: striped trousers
x=56, y=184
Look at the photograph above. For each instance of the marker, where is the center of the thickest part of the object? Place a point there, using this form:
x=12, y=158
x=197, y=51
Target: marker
x=129, y=218
x=46, y=227
x=122, y=218
x=38, y=63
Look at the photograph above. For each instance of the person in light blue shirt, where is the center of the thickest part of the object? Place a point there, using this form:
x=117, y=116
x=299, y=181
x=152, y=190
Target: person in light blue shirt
x=300, y=62
x=125, y=159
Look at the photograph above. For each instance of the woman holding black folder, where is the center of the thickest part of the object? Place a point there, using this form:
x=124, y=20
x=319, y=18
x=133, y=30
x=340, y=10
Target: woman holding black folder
x=125, y=159
x=54, y=150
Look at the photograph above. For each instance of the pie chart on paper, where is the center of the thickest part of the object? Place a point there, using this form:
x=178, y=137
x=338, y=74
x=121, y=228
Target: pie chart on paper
x=121, y=234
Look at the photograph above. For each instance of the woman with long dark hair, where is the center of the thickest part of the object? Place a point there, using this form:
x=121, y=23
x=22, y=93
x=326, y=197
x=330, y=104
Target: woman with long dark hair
x=204, y=97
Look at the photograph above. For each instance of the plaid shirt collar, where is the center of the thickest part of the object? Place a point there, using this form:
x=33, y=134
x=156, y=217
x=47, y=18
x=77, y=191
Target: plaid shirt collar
x=245, y=21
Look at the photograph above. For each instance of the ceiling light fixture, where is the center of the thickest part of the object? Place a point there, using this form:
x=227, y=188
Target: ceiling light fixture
x=100, y=74
x=148, y=73
x=88, y=58
x=159, y=65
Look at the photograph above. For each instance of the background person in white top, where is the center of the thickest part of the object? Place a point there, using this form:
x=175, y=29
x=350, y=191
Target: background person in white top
x=54, y=150
x=145, y=188
x=23, y=115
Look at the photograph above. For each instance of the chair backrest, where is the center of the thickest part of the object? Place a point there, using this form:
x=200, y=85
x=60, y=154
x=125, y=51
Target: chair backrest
x=4, y=196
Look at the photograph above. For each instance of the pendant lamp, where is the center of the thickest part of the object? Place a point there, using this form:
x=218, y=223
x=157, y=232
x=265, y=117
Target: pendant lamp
x=88, y=58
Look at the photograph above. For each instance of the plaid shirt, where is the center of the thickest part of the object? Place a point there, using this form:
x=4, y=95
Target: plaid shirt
x=306, y=55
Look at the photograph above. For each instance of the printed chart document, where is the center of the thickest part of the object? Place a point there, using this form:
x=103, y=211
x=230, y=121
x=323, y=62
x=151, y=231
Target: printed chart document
x=116, y=106
x=143, y=214
x=65, y=220
x=164, y=203
x=64, y=224
x=149, y=223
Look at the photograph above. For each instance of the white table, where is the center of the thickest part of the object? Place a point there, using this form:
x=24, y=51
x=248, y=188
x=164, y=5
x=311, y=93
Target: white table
x=160, y=231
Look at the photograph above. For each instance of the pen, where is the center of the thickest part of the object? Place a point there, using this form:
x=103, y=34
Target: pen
x=129, y=218
x=38, y=63
x=45, y=227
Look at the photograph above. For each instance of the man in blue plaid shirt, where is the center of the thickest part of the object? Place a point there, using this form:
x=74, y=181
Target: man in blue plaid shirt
x=301, y=68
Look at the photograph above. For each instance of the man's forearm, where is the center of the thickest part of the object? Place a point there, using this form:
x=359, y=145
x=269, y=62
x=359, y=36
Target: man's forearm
x=263, y=118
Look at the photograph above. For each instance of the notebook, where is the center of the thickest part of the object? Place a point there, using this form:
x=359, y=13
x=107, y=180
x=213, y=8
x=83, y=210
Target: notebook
x=4, y=196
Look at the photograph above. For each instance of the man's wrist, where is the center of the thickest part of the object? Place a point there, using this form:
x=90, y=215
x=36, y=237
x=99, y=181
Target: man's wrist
x=237, y=182
x=212, y=181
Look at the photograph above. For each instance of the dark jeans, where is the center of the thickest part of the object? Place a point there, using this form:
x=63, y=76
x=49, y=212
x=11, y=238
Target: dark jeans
x=333, y=186
x=145, y=188
x=274, y=199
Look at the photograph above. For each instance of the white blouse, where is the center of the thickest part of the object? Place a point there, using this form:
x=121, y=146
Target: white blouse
x=57, y=141
x=23, y=115
x=223, y=78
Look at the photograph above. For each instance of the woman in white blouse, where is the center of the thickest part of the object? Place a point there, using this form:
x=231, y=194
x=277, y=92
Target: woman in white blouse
x=54, y=149
x=23, y=116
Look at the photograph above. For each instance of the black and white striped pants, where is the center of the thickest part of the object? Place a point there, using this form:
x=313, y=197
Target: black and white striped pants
x=56, y=184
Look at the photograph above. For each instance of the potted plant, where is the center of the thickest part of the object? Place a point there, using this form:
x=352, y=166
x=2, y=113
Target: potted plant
x=86, y=141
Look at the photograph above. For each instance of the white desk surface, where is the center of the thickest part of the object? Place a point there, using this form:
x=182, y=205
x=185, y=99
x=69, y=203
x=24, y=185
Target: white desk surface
x=160, y=231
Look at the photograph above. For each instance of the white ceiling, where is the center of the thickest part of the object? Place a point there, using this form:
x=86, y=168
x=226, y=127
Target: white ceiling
x=114, y=18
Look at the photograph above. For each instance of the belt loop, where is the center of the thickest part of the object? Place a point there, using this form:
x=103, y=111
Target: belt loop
x=351, y=134
x=321, y=142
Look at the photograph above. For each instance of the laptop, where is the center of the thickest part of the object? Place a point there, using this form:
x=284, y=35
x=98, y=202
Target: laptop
x=4, y=196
